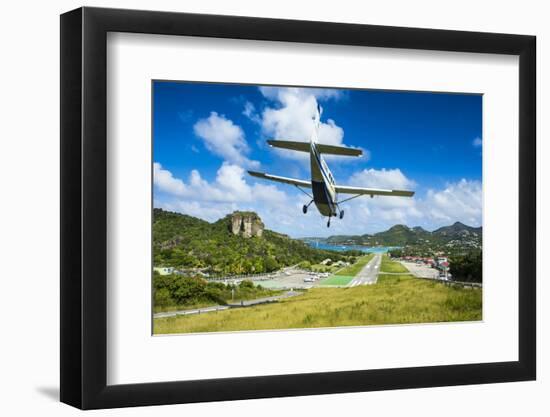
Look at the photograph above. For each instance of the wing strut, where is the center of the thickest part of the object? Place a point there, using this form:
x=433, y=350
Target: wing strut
x=298, y=187
x=351, y=198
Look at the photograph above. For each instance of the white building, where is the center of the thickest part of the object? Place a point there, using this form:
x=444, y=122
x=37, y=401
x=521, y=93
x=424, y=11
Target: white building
x=164, y=270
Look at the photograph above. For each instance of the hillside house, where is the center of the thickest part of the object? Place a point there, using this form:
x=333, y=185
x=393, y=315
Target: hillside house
x=164, y=270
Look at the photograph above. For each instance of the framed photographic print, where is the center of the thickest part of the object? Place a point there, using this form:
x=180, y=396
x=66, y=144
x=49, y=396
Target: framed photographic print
x=257, y=208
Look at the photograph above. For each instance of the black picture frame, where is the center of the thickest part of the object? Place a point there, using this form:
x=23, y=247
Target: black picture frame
x=84, y=207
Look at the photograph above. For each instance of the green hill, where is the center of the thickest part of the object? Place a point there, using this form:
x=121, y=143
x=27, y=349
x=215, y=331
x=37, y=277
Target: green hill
x=235, y=244
x=458, y=234
x=458, y=231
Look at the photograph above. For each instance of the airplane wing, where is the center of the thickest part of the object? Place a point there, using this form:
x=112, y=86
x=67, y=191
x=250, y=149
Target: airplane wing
x=345, y=189
x=285, y=180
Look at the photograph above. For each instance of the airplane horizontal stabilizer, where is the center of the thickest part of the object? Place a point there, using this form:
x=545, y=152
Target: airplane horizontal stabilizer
x=276, y=178
x=338, y=150
x=306, y=147
x=293, y=146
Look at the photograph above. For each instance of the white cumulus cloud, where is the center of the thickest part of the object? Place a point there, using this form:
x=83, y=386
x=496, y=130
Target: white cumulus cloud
x=291, y=116
x=280, y=207
x=165, y=181
x=457, y=201
x=229, y=191
x=224, y=138
x=461, y=201
x=384, y=178
x=250, y=112
x=229, y=186
x=281, y=93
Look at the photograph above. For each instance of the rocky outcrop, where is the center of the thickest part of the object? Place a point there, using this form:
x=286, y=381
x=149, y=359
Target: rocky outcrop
x=246, y=224
x=171, y=244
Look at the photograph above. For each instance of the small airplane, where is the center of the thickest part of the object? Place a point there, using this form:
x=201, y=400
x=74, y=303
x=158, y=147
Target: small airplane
x=325, y=190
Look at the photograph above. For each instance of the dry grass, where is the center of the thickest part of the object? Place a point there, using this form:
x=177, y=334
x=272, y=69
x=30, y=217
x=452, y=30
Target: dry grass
x=396, y=299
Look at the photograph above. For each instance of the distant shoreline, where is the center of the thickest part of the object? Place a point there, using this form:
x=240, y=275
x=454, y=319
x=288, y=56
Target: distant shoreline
x=342, y=248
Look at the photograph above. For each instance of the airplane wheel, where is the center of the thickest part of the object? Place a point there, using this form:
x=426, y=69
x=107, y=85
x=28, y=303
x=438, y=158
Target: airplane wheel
x=304, y=209
x=328, y=223
x=341, y=214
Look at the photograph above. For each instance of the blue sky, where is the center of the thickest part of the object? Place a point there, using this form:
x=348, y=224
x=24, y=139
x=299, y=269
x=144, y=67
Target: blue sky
x=205, y=137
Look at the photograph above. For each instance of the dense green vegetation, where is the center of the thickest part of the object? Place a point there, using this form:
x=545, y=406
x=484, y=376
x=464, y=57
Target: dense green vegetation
x=391, y=266
x=172, y=292
x=189, y=243
x=467, y=268
x=396, y=299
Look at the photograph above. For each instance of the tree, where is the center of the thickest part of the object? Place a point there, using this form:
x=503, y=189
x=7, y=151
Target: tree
x=271, y=264
x=163, y=298
x=396, y=253
x=305, y=265
x=467, y=268
x=246, y=284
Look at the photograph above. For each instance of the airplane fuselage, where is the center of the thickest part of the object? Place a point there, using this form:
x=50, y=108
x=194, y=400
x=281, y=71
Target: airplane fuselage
x=322, y=184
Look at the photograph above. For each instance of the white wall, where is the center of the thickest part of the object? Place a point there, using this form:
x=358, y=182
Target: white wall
x=29, y=225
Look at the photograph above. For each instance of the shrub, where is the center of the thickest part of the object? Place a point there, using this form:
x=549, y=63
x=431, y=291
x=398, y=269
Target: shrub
x=467, y=268
x=246, y=284
x=162, y=298
x=305, y=265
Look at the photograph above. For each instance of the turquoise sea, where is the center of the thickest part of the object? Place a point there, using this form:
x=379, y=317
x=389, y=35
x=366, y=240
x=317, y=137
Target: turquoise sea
x=341, y=248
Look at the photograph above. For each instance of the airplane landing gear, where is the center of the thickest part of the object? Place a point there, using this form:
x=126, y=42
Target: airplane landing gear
x=341, y=214
x=328, y=223
x=304, y=209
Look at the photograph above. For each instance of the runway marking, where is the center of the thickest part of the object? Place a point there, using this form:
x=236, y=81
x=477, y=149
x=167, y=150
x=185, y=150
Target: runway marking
x=368, y=276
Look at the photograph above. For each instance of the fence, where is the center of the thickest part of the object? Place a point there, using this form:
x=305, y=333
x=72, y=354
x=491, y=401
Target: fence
x=472, y=285
x=252, y=277
x=242, y=277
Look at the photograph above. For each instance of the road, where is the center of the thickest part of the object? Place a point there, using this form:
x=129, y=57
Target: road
x=290, y=279
x=244, y=303
x=369, y=274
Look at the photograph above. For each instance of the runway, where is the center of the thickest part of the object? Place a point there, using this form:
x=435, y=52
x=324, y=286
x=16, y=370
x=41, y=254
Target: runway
x=369, y=274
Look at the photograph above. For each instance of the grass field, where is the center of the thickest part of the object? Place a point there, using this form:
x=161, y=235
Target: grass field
x=396, y=299
x=338, y=280
x=391, y=266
